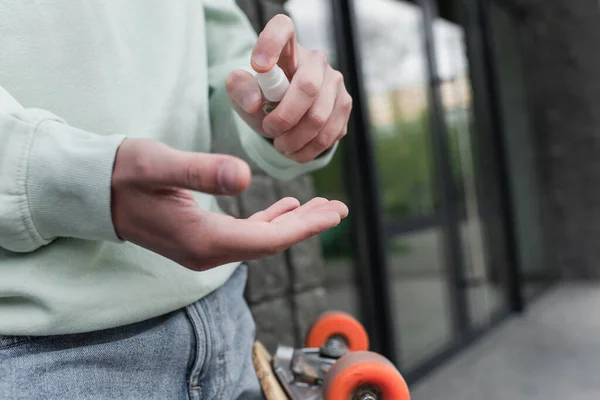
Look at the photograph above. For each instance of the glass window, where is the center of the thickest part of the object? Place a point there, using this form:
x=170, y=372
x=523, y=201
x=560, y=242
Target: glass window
x=394, y=66
x=314, y=25
x=419, y=292
x=522, y=159
x=396, y=80
x=313, y=20
x=336, y=243
x=485, y=293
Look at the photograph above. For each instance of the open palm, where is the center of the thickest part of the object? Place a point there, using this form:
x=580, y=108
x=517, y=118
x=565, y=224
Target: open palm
x=153, y=207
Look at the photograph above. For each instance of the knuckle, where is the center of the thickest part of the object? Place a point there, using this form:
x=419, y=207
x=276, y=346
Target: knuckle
x=338, y=77
x=193, y=176
x=316, y=118
x=308, y=86
x=347, y=103
x=319, y=56
x=283, y=121
x=321, y=142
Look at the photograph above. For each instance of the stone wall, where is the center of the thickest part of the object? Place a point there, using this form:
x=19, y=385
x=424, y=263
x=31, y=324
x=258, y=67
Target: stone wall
x=285, y=291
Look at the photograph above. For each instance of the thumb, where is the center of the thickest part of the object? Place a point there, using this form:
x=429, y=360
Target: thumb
x=203, y=172
x=246, y=97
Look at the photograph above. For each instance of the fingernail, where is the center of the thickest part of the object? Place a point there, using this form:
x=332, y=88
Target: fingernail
x=227, y=178
x=249, y=98
x=261, y=60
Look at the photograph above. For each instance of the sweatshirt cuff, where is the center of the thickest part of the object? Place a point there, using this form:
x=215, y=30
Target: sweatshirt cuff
x=69, y=182
x=262, y=152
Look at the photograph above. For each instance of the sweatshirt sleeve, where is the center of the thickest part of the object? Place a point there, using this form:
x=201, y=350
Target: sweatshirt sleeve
x=55, y=180
x=230, y=40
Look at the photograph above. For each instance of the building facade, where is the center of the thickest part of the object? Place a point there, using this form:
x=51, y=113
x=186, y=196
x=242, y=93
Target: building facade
x=469, y=169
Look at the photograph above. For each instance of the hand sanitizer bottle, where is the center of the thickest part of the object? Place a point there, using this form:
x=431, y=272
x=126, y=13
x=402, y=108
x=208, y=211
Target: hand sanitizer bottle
x=273, y=84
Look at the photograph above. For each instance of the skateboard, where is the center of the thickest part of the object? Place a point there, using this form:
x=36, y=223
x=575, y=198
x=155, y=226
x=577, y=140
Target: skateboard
x=335, y=365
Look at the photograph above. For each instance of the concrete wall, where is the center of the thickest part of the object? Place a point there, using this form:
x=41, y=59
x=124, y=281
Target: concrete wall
x=286, y=291
x=561, y=48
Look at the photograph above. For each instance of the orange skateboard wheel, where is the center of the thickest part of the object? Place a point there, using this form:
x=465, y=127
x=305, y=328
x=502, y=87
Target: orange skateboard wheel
x=364, y=372
x=336, y=323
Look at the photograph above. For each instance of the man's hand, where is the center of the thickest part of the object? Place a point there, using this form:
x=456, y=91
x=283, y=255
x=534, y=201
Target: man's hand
x=314, y=112
x=153, y=207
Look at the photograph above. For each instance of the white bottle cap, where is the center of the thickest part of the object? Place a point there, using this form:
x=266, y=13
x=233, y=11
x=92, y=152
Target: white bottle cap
x=273, y=83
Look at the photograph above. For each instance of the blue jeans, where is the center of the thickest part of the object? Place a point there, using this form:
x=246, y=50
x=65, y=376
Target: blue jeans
x=200, y=352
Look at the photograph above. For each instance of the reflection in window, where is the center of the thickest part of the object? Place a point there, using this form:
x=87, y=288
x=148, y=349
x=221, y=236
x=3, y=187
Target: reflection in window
x=394, y=65
x=314, y=25
x=521, y=151
x=419, y=294
x=484, y=295
x=396, y=79
x=313, y=20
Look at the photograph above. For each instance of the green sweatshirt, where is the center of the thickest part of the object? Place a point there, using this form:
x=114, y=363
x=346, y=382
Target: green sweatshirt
x=76, y=79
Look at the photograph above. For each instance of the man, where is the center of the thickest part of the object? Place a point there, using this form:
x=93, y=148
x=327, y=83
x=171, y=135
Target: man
x=119, y=275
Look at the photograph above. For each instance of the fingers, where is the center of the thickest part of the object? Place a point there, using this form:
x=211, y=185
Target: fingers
x=316, y=205
x=304, y=88
x=278, y=36
x=309, y=205
x=226, y=239
x=314, y=112
x=208, y=173
x=289, y=207
x=315, y=118
x=246, y=97
x=292, y=229
x=244, y=91
x=334, y=130
x=249, y=239
x=299, y=229
x=283, y=206
x=335, y=205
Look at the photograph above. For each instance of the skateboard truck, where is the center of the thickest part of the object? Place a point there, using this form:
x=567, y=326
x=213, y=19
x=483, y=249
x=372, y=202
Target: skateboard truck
x=335, y=365
x=301, y=371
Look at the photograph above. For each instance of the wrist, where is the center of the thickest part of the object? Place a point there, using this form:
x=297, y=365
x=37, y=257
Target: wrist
x=69, y=182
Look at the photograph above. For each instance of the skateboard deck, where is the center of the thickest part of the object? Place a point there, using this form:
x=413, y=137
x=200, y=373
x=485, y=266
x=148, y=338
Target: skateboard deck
x=268, y=381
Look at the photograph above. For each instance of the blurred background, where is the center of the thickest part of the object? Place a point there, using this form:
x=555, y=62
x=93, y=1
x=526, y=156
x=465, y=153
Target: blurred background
x=472, y=172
